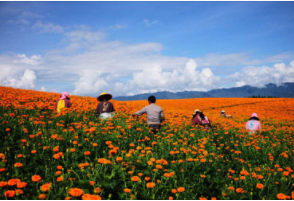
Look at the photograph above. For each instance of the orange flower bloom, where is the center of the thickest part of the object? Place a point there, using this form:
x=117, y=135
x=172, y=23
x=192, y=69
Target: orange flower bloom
x=18, y=165
x=75, y=192
x=91, y=197
x=59, y=179
x=282, y=196
x=239, y=190
x=92, y=183
x=181, y=189
x=9, y=193
x=18, y=192
x=135, y=178
x=97, y=190
x=174, y=191
x=127, y=190
x=46, y=187
x=13, y=182
x=150, y=185
x=36, y=178
x=87, y=153
x=21, y=184
x=42, y=196
x=259, y=186
x=118, y=159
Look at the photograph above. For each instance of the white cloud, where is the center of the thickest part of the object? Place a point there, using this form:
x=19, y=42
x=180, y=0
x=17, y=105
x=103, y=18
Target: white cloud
x=13, y=79
x=259, y=76
x=43, y=88
x=48, y=27
x=33, y=60
x=149, y=23
x=24, y=18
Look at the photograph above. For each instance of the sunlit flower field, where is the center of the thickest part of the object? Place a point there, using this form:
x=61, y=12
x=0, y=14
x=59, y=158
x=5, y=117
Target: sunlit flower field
x=73, y=155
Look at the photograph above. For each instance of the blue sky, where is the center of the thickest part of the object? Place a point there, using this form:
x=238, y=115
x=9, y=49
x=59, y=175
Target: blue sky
x=135, y=47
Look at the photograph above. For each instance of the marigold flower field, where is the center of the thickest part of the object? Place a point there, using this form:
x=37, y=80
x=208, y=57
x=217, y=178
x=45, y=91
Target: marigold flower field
x=73, y=155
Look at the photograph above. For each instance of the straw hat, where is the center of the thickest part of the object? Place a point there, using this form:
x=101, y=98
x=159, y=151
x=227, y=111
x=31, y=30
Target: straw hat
x=222, y=111
x=105, y=96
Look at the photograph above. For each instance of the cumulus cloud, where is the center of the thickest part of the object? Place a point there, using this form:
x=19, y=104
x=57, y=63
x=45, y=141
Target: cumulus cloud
x=259, y=76
x=43, y=88
x=13, y=79
x=48, y=27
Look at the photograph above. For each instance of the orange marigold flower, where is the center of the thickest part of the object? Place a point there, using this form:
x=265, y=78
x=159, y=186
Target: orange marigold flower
x=91, y=197
x=174, y=191
x=244, y=172
x=13, y=182
x=239, y=190
x=213, y=198
x=181, y=189
x=18, y=165
x=282, y=196
x=118, y=159
x=127, y=190
x=67, y=198
x=87, y=153
x=75, y=192
x=18, y=192
x=135, y=178
x=97, y=190
x=3, y=184
x=170, y=198
x=202, y=198
x=150, y=185
x=259, y=186
x=92, y=183
x=46, y=187
x=36, y=178
x=59, y=179
x=42, y=196
x=21, y=184
x=59, y=167
x=9, y=193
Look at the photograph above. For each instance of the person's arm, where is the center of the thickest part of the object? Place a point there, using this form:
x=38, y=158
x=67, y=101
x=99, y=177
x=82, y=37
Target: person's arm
x=97, y=110
x=162, y=117
x=247, y=126
x=68, y=103
x=140, y=112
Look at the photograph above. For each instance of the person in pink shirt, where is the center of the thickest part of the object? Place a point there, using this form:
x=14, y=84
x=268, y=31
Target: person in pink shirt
x=253, y=124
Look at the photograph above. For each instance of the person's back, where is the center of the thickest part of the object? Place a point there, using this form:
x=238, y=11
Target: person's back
x=105, y=109
x=154, y=113
x=253, y=124
x=63, y=102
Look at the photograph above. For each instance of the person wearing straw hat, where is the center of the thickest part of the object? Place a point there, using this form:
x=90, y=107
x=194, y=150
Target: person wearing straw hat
x=63, y=102
x=196, y=118
x=223, y=114
x=105, y=109
x=253, y=124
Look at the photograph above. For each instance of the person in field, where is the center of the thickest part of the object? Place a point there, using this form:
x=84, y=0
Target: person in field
x=198, y=118
x=63, y=102
x=105, y=109
x=253, y=124
x=154, y=113
x=223, y=114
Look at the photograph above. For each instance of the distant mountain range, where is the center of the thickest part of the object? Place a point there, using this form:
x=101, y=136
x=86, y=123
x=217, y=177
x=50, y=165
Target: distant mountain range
x=285, y=90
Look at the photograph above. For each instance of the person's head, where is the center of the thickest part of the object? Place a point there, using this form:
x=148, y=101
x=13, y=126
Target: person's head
x=197, y=111
x=223, y=113
x=254, y=117
x=104, y=97
x=151, y=99
x=201, y=115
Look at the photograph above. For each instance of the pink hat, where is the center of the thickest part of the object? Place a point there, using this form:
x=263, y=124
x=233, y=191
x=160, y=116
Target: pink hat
x=64, y=95
x=254, y=115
